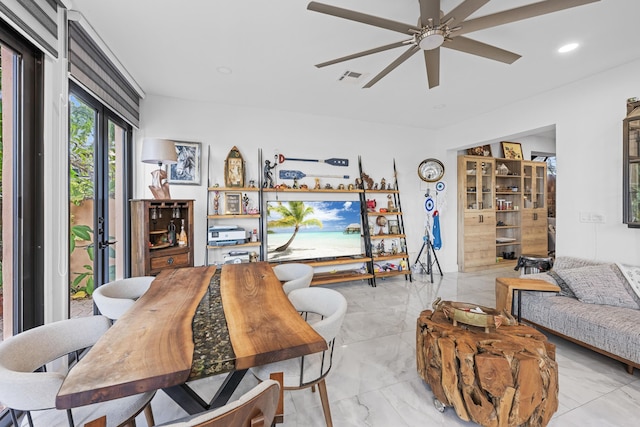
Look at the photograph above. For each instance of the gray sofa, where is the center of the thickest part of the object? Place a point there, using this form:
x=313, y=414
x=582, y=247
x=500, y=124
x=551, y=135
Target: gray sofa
x=597, y=307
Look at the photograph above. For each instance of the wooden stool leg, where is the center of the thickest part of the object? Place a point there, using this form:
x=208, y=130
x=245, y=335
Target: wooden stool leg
x=322, y=387
x=148, y=415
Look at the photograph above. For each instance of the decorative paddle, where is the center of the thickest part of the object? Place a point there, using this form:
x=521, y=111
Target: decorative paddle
x=286, y=174
x=332, y=161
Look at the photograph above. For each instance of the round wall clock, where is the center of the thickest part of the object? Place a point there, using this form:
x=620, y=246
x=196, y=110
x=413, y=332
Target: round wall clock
x=431, y=170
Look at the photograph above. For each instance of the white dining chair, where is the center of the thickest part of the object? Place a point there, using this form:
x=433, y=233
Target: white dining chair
x=324, y=309
x=295, y=275
x=113, y=299
x=255, y=408
x=31, y=373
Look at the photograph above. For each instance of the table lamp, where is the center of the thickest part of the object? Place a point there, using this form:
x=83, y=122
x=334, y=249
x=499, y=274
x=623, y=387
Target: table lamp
x=159, y=151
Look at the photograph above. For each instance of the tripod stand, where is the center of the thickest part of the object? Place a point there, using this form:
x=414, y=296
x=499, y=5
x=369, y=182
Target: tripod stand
x=430, y=252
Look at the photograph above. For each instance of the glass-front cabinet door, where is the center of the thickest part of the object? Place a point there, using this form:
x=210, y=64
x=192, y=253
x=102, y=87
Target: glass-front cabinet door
x=478, y=175
x=631, y=165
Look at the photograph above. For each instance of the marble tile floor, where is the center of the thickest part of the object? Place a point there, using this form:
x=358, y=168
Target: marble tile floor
x=374, y=381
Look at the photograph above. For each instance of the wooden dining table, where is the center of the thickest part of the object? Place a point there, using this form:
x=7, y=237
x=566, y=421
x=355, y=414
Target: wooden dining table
x=192, y=323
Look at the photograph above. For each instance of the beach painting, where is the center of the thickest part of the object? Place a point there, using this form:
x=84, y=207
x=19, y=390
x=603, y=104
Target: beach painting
x=303, y=230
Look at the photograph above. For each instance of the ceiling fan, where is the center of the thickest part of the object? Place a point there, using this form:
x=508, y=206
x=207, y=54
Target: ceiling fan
x=435, y=30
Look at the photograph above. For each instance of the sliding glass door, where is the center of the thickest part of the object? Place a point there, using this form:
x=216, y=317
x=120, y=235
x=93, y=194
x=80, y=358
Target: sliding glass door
x=98, y=193
x=21, y=197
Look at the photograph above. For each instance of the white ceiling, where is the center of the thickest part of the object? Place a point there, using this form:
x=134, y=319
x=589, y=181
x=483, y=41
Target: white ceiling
x=175, y=48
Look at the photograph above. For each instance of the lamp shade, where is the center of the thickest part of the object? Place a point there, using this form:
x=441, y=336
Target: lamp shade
x=159, y=151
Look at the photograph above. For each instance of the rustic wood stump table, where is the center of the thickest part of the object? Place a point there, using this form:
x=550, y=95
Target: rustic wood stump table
x=506, y=377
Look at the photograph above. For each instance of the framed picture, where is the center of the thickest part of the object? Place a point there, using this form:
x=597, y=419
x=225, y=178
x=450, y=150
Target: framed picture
x=482, y=150
x=393, y=226
x=233, y=203
x=187, y=170
x=511, y=150
x=234, y=169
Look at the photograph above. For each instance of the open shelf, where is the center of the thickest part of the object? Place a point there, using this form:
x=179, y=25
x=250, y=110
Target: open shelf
x=339, y=276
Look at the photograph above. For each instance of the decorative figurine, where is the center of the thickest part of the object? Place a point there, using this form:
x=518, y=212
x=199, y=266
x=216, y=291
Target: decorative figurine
x=383, y=184
x=245, y=203
x=216, y=202
x=268, y=175
x=371, y=205
x=390, y=206
x=340, y=186
x=295, y=183
x=317, y=186
x=375, y=186
x=358, y=183
x=328, y=186
x=351, y=186
x=252, y=183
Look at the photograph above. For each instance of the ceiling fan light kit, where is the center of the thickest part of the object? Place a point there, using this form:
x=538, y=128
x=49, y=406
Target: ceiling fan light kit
x=432, y=31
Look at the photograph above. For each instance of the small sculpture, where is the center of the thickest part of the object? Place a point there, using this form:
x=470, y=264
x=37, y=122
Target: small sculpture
x=390, y=206
x=317, y=186
x=295, y=183
x=216, y=202
x=245, y=203
x=340, y=186
x=268, y=175
x=159, y=185
x=383, y=184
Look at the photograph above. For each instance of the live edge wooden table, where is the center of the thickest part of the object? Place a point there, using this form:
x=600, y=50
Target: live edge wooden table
x=190, y=324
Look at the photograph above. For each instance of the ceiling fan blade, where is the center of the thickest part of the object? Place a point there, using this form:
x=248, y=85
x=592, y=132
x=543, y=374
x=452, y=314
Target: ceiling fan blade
x=430, y=9
x=362, y=17
x=432, y=60
x=520, y=13
x=474, y=47
x=406, y=55
x=364, y=53
x=463, y=11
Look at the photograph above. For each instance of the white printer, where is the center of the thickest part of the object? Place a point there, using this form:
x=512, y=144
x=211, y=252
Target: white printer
x=219, y=235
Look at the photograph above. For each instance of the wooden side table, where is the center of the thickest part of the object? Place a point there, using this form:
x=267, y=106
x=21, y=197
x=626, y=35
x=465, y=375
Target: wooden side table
x=507, y=377
x=506, y=287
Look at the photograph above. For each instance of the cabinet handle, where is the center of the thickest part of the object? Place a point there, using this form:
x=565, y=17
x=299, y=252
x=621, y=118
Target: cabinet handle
x=170, y=260
x=481, y=218
x=535, y=216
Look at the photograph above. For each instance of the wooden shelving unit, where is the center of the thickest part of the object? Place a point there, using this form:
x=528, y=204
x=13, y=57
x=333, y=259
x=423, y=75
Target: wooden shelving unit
x=501, y=211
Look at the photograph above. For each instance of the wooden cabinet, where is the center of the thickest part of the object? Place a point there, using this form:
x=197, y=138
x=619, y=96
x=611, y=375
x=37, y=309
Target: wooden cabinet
x=156, y=226
x=502, y=211
x=534, y=209
x=478, y=239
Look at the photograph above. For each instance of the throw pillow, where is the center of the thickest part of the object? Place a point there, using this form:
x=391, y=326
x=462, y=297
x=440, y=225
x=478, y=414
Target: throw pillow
x=598, y=284
x=565, y=290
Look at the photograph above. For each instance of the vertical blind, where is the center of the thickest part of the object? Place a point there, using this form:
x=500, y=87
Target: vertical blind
x=36, y=19
x=93, y=69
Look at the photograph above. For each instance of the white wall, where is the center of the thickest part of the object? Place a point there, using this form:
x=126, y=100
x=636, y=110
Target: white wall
x=587, y=116
x=294, y=135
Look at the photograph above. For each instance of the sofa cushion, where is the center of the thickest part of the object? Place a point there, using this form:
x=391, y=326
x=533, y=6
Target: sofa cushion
x=598, y=284
x=565, y=290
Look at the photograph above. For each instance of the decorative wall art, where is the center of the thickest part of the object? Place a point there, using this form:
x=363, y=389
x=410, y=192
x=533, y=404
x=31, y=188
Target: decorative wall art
x=511, y=150
x=234, y=169
x=187, y=170
x=482, y=150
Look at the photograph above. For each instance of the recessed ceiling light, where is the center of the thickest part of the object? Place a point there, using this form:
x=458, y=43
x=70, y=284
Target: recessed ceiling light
x=568, y=47
x=224, y=70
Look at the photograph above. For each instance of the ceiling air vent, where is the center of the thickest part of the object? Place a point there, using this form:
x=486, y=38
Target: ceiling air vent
x=352, y=77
